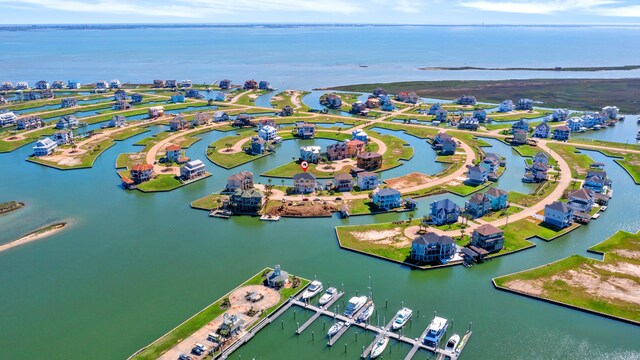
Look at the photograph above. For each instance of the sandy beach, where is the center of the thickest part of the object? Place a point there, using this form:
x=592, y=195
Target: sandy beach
x=34, y=235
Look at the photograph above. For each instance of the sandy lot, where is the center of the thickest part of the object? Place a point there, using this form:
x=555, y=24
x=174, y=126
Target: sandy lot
x=394, y=237
x=409, y=180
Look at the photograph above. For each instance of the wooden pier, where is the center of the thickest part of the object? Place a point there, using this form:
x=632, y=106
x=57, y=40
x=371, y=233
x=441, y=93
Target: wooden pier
x=318, y=313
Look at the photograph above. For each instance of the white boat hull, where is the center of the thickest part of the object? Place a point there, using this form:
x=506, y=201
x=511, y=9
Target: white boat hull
x=378, y=348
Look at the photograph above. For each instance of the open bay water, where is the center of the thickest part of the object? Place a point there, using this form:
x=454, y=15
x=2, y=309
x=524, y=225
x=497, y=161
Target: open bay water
x=132, y=266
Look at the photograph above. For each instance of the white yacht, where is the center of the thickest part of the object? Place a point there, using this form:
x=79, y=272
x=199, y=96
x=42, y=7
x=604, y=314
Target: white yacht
x=328, y=296
x=452, y=343
x=402, y=317
x=435, y=331
x=314, y=288
x=366, y=313
x=379, y=347
x=355, y=304
x=335, y=328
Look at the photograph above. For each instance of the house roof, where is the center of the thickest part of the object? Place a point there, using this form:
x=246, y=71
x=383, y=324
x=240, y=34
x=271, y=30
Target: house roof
x=562, y=128
x=487, y=230
x=343, y=177
x=558, y=206
x=173, y=147
x=388, y=192
x=432, y=238
x=249, y=193
x=366, y=174
x=303, y=176
x=369, y=155
x=141, y=167
x=127, y=181
x=543, y=125
x=495, y=192
x=194, y=164
x=446, y=204
x=477, y=198
x=241, y=175
x=355, y=142
x=475, y=169
x=582, y=193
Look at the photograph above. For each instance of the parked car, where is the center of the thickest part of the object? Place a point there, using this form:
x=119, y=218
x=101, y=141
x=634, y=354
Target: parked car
x=199, y=349
x=185, y=357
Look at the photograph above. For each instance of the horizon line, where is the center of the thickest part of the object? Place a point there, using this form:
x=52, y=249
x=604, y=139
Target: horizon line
x=312, y=24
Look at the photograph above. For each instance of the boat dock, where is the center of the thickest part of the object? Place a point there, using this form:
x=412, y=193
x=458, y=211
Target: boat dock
x=315, y=316
x=453, y=355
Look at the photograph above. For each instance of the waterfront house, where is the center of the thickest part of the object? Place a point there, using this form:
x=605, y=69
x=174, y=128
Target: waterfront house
x=332, y=101
x=3, y=101
x=28, y=122
x=477, y=175
x=498, y=198
x=468, y=123
x=102, y=85
x=387, y=199
x=6, y=86
x=225, y=84
x=62, y=137
x=478, y=205
x=219, y=116
x=369, y=161
x=185, y=84
x=597, y=181
x=372, y=103
x=193, y=94
x=277, y=278
x=343, y=182
x=117, y=121
x=30, y=96
x=264, y=85
x=267, y=122
x=258, y=145
x=519, y=137
x=536, y=172
x=560, y=115
x=8, y=118
x=177, y=122
x=359, y=108
x=250, y=85
x=434, y=108
x=581, y=200
x=242, y=180
x=592, y=119
x=520, y=125
x=136, y=98
x=120, y=95
x=201, y=119
x=158, y=84
x=575, y=124
x=610, y=112
x=441, y=115
x=41, y=85
x=558, y=214
x=360, y=134
x=310, y=154
x=173, y=153
x=367, y=180
x=524, y=104
x=561, y=133
x=156, y=111
x=409, y=98
x=122, y=105
x=286, y=111
x=114, y=84
x=47, y=94
x=306, y=131
x=491, y=162
x=542, y=130
x=22, y=85
x=171, y=84
x=74, y=84
x=141, y=173
x=247, y=201
x=68, y=102
x=444, y=212
x=377, y=92
x=466, y=100
x=177, y=98
x=304, y=183
x=541, y=157
x=192, y=170
x=506, y=106
x=355, y=147
x=268, y=132
x=67, y=122
x=387, y=103
x=444, y=143
x=488, y=237
x=57, y=84
x=344, y=150
x=480, y=115
x=44, y=147
x=433, y=248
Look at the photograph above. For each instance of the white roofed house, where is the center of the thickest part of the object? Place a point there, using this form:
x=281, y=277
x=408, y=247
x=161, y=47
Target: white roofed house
x=310, y=154
x=67, y=122
x=29, y=122
x=560, y=115
x=506, y=106
x=114, y=84
x=44, y=147
x=268, y=132
x=367, y=180
x=575, y=124
x=3, y=101
x=611, y=112
x=220, y=116
x=542, y=130
x=63, y=137
x=558, y=214
x=192, y=170
x=42, y=85
x=117, y=121
x=8, y=118
x=477, y=174
x=22, y=85
x=102, y=85
x=57, y=84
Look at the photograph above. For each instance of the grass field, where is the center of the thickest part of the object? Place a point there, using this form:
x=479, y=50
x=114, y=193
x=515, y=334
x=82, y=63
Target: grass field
x=209, y=202
x=605, y=287
x=579, y=163
x=86, y=160
x=229, y=161
x=541, y=192
x=162, y=182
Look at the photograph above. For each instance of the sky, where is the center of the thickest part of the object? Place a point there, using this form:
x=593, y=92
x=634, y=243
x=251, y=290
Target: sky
x=424, y=12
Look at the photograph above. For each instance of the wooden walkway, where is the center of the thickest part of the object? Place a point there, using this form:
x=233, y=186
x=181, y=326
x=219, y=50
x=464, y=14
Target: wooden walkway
x=315, y=316
x=385, y=330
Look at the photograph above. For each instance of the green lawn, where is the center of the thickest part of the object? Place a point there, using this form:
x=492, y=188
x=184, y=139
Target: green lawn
x=579, y=163
x=527, y=228
x=537, y=113
x=541, y=192
x=86, y=161
x=129, y=132
x=9, y=145
x=398, y=249
x=417, y=131
x=200, y=319
x=250, y=97
x=286, y=100
x=629, y=161
x=229, y=161
x=465, y=189
x=552, y=281
x=501, y=214
x=162, y=182
x=208, y=202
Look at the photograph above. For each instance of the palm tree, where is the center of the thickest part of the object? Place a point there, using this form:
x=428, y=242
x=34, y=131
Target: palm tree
x=282, y=182
x=410, y=218
x=228, y=146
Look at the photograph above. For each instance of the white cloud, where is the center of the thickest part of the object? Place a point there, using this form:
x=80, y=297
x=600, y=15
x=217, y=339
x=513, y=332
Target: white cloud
x=536, y=7
x=408, y=6
x=192, y=8
x=622, y=11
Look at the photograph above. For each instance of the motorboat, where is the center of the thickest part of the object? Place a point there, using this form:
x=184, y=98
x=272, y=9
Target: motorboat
x=355, y=303
x=452, y=343
x=328, y=296
x=597, y=127
x=604, y=208
x=402, y=317
x=366, y=313
x=379, y=347
x=435, y=331
x=335, y=328
x=314, y=288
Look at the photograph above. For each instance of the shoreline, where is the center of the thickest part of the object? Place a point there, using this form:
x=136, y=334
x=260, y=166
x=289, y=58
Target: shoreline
x=557, y=68
x=34, y=235
x=9, y=206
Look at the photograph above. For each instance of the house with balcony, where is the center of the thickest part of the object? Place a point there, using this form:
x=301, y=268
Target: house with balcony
x=177, y=122
x=372, y=103
x=250, y=85
x=506, y=106
x=67, y=122
x=581, y=200
x=62, y=137
x=610, y=112
x=171, y=84
x=193, y=94
x=173, y=153
x=519, y=137
x=22, y=85
x=542, y=130
x=68, y=102
x=286, y=111
x=44, y=147
x=248, y=201
x=192, y=170
x=477, y=175
x=117, y=121
x=575, y=124
x=367, y=180
x=597, y=181
x=156, y=111
x=478, y=205
x=558, y=214
x=560, y=115
x=136, y=98
x=28, y=123
x=158, y=84
x=264, y=85
x=268, y=132
x=561, y=133
x=524, y=104
x=434, y=108
x=31, y=96
x=73, y=84
x=386, y=103
x=258, y=145
x=369, y=161
x=360, y=134
x=304, y=183
x=201, y=119
x=141, y=173
x=122, y=105
x=480, y=115
x=114, y=84
x=441, y=115
x=102, y=85
x=310, y=154
x=359, y=108
x=387, y=199
x=343, y=182
x=466, y=100
x=225, y=84
x=186, y=84
x=120, y=95
x=8, y=118
x=520, y=125
x=306, y=131
x=57, y=84
x=42, y=85
x=488, y=237
x=332, y=101
x=432, y=248
x=444, y=212
x=468, y=123
x=491, y=162
x=242, y=180
x=219, y=116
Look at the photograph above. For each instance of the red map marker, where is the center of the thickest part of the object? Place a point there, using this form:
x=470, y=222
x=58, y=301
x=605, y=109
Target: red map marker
x=304, y=165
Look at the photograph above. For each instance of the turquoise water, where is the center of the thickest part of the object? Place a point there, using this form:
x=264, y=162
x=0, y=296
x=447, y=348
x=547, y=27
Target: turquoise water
x=131, y=266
